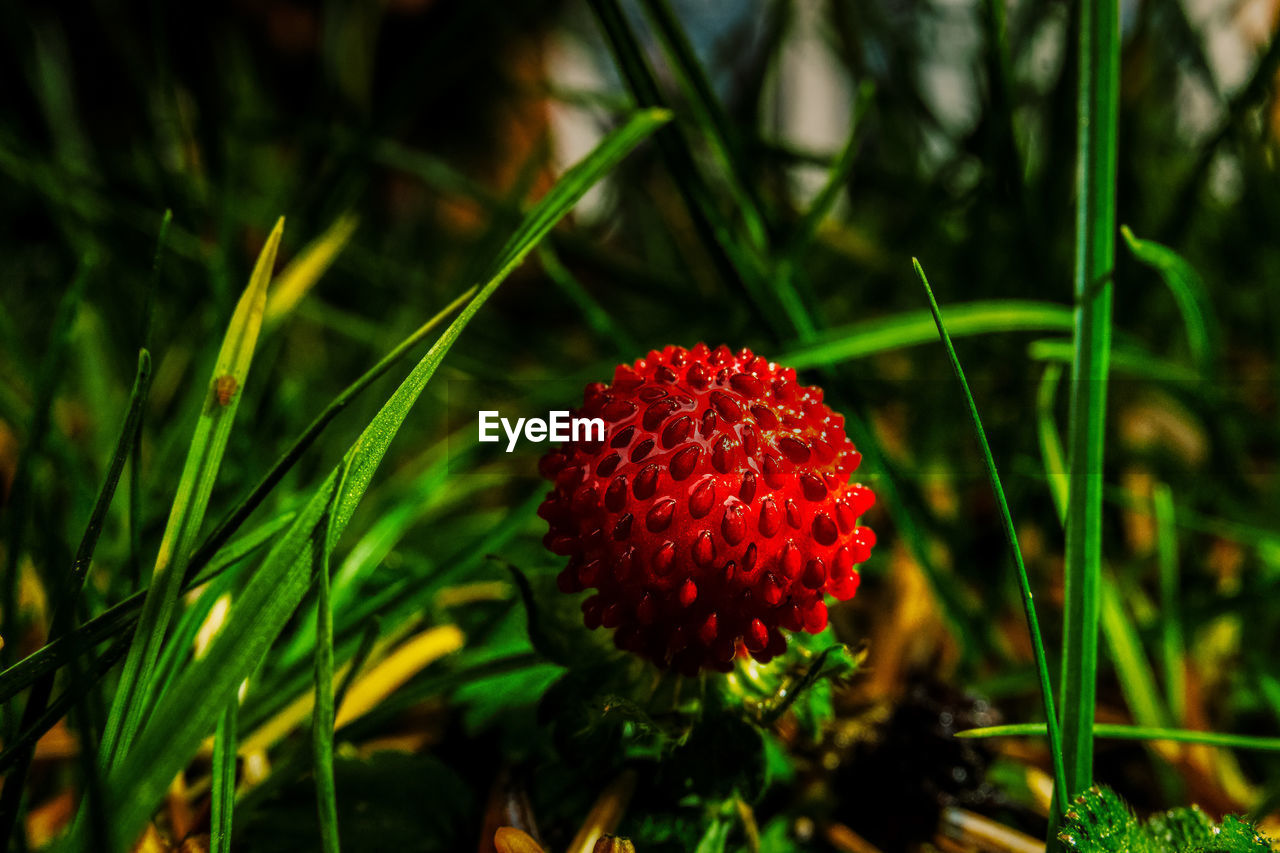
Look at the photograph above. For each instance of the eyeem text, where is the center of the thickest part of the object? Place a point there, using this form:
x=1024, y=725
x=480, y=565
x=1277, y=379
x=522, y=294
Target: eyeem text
x=558, y=426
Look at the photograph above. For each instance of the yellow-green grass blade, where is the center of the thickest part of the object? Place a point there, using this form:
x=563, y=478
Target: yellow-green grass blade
x=296, y=280
x=1122, y=732
x=204, y=458
x=913, y=328
x=188, y=711
x=1011, y=536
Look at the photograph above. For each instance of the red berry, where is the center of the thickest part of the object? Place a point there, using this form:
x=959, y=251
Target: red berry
x=716, y=512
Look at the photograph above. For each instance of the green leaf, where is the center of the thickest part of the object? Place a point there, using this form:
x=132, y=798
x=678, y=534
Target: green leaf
x=133, y=696
x=914, y=328
x=322, y=717
x=188, y=711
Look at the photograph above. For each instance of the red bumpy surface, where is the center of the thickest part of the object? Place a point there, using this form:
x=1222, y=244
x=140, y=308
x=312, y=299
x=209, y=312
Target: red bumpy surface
x=716, y=512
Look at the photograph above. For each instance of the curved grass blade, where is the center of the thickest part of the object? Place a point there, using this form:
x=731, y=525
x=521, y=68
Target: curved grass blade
x=1011, y=535
x=221, y=400
x=64, y=611
x=188, y=711
x=1189, y=292
x=1055, y=467
x=1122, y=732
x=913, y=328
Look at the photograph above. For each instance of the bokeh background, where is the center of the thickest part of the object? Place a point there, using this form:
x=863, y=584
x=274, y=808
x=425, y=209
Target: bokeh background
x=417, y=131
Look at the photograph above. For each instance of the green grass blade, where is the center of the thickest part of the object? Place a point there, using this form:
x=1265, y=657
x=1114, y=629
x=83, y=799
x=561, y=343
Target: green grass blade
x=1137, y=681
x=1097, y=118
x=222, y=794
x=1189, y=292
x=600, y=320
x=1173, y=649
x=837, y=178
x=133, y=695
x=63, y=618
x=1011, y=536
x=1126, y=359
x=322, y=716
x=188, y=711
x=119, y=619
x=710, y=115
x=913, y=328
x=38, y=429
x=733, y=262
x=1055, y=465
x=243, y=508
x=1121, y=732
x=135, y=455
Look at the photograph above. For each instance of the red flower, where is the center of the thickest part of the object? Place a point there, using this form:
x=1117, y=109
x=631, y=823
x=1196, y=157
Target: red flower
x=715, y=513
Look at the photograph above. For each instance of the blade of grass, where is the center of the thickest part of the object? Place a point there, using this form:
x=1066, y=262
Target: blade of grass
x=733, y=262
x=118, y=620
x=133, y=694
x=1097, y=130
x=223, y=790
x=1137, y=682
x=296, y=280
x=1122, y=732
x=323, y=714
x=1125, y=359
x=18, y=504
x=135, y=454
x=1189, y=292
x=186, y=713
x=63, y=618
x=1011, y=536
x=1173, y=651
x=239, y=513
x=600, y=320
x=710, y=115
x=913, y=328
x=1055, y=467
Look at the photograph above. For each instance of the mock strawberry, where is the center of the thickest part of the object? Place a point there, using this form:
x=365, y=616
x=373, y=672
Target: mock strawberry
x=716, y=512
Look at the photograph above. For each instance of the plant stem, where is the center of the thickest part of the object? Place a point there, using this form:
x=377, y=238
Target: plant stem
x=1095, y=255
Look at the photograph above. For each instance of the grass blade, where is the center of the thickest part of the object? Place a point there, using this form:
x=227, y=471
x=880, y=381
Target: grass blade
x=238, y=514
x=64, y=611
x=119, y=619
x=133, y=695
x=188, y=711
x=913, y=328
x=1097, y=125
x=710, y=114
x=322, y=716
x=1171, y=634
x=296, y=280
x=1055, y=466
x=223, y=792
x=1189, y=292
x=1122, y=732
x=1011, y=535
